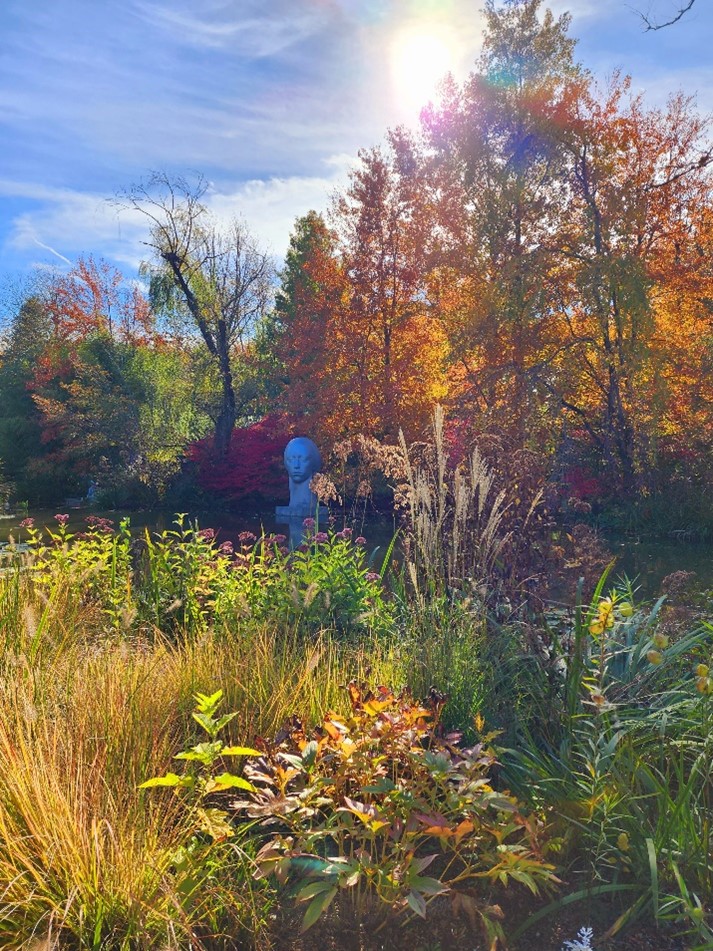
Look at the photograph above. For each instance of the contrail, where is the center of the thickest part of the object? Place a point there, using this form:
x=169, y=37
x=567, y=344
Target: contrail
x=52, y=250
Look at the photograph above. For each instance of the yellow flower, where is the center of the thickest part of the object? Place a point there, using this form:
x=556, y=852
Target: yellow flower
x=596, y=628
x=704, y=684
x=702, y=670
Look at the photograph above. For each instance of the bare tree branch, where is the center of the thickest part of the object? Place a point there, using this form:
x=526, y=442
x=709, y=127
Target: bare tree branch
x=652, y=24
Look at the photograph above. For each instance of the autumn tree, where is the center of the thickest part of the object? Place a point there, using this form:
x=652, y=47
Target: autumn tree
x=581, y=210
x=359, y=332
x=217, y=278
x=639, y=192
x=309, y=305
x=500, y=208
x=101, y=393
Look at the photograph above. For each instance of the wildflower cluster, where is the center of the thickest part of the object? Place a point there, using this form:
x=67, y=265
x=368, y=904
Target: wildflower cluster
x=196, y=580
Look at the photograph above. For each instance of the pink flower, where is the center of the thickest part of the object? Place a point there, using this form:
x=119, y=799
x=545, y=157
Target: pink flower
x=27, y=523
x=206, y=534
x=346, y=533
x=360, y=540
x=99, y=524
x=246, y=537
x=62, y=519
x=321, y=537
x=279, y=539
x=226, y=548
x=372, y=576
x=308, y=523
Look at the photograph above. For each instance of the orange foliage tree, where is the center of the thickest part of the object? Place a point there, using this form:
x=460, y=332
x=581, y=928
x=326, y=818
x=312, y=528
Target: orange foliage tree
x=362, y=348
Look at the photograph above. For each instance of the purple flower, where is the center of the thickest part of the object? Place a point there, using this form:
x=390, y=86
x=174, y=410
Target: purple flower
x=206, y=534
x=308, y=523
x=99, y=524
x=279, y=539
x=27, y=523
x=62, y=519
x=372, y=576
x=320, y=538
x=346, y=533
x=246, y=537
x=226, y=548
x=360, y=540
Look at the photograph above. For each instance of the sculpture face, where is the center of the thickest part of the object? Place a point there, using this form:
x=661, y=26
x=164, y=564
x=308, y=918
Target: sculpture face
x=301, y=459
x=298, y=465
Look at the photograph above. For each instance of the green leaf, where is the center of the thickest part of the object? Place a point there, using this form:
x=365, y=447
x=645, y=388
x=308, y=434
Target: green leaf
x=316, y=907
x=429, y=886
x=384, y=785
x=206, y=703
x=170, y=779
x=239, y=751
x=219, y=724
x=309, y=754
x=314, y=888
x=201, y=753
x=416, y=903
x=229, y=781
x=206, y=721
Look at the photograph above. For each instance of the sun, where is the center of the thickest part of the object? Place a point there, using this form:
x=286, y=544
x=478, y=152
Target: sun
x=419, y=60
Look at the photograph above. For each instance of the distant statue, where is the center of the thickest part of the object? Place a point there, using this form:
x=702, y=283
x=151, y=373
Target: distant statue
x=302, y=461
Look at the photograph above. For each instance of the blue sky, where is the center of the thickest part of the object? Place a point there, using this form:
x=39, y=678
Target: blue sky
x=269, y=99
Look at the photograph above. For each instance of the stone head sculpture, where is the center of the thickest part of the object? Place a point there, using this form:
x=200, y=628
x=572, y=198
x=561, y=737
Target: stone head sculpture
x=302, y=461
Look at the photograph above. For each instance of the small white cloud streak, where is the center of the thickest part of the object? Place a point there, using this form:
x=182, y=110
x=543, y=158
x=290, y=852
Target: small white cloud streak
x=256, y=36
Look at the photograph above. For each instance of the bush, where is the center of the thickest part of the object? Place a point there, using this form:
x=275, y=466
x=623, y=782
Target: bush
x=254, y=459
x=365, y=804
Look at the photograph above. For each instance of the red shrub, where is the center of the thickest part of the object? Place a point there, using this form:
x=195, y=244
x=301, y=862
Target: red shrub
x=254, y=465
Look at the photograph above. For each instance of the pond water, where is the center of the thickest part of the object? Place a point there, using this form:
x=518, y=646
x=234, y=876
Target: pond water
x=645, y=560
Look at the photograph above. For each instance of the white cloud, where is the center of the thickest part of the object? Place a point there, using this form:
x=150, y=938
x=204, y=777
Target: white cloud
x=69, y=223
x=264, y=33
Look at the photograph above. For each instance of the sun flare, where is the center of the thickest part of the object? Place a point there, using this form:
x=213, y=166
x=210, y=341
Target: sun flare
x=419, y=61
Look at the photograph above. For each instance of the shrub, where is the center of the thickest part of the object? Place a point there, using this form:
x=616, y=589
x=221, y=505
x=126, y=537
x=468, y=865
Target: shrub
x=254, y=459
x=366, y=804
x=191, y=581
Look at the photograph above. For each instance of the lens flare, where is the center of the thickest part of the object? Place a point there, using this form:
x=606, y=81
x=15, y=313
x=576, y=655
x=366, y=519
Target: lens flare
x=419, y=60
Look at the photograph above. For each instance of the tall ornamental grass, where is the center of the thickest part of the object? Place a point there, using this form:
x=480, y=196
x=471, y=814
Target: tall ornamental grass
x=87, y=714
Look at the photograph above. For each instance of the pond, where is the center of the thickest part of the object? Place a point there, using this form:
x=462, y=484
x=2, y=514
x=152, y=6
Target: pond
x=644, y=560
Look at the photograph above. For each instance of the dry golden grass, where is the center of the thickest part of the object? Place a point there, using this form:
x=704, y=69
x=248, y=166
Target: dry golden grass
x=85, y=857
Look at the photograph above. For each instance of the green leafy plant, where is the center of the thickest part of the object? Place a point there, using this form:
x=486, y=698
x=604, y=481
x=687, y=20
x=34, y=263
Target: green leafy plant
x=94, y=565
x=377, y=806
x=203, y=780
x=193, y=582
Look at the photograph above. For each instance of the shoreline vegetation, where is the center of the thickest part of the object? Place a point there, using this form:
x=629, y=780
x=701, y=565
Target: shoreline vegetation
x=208, y=745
